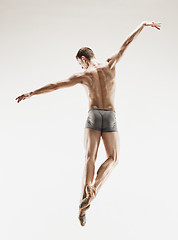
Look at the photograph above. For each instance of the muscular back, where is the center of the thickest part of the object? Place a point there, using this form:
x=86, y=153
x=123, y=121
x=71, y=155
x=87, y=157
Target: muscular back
x=99, y=84
x=100, y=80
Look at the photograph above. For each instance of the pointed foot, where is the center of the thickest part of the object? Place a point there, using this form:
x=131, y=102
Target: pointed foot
x=84, y=203
x=82, y=219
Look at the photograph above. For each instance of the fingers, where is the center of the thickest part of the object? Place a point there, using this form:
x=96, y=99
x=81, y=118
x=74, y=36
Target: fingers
x=17, y=99
x=20, y=98
x=156, y=25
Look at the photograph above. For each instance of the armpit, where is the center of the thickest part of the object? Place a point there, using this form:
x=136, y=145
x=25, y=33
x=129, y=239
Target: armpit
x=109, y=59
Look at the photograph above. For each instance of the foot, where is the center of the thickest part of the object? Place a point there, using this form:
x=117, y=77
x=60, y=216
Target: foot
x=82, y=218
x=82, y=215
x=91, y=194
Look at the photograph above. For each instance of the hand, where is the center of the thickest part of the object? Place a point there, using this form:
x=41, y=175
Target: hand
x=23, y=97
x=153, y=24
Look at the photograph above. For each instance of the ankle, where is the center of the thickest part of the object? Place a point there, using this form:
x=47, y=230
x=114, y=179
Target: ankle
x=94, y=190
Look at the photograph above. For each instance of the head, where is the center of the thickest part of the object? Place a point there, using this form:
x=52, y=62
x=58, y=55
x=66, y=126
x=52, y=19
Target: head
x=84, y=57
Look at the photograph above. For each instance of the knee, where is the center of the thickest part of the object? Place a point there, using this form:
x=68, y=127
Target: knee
x=116, y=162
x=90, y=158
x=115, y=159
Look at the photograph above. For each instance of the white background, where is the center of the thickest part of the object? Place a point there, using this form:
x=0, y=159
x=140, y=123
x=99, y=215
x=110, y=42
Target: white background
x=42, y=150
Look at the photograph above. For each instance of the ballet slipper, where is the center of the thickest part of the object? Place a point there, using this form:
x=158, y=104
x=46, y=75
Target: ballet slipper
x=82, y=218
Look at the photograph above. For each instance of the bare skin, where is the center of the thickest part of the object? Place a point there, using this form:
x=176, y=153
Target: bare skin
x=98, y=79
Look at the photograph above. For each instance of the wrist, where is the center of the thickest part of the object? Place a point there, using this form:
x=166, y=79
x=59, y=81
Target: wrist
x=147, y=24
x=144, y=24
x=30, y=94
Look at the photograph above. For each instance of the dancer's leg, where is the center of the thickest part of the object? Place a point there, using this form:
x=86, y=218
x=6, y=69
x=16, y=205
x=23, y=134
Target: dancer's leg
x=91, y=143
x=112, y=146
x=111, y=142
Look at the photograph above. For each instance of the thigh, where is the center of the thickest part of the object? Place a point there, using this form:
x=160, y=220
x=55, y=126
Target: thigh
x=111, y=142
x=91, y=142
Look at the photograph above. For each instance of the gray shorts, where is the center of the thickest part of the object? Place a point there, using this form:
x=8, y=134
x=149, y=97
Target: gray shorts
x=103, y=120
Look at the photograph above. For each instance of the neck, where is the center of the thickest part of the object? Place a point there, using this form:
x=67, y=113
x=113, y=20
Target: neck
x=93, y=62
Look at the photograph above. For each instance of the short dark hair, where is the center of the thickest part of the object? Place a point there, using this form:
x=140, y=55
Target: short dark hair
x=85, y=51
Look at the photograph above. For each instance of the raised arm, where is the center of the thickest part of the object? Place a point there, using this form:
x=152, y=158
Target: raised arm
x=116, y=57
x=69, y=82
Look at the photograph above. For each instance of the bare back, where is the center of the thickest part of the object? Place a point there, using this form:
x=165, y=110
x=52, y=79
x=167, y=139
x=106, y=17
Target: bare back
x=99, y=84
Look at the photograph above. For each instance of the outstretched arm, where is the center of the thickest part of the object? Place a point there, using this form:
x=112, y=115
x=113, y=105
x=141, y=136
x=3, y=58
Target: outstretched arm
x=69, y=82
x=116, y=57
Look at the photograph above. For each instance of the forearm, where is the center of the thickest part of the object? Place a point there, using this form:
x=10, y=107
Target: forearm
x=132, y=36
x=45, y=89
x=48, y=88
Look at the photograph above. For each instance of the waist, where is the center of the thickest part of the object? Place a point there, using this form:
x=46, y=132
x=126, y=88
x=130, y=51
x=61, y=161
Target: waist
x=103, y=109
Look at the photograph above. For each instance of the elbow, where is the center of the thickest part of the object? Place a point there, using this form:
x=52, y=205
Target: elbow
x=61, y=84
x=56, y=86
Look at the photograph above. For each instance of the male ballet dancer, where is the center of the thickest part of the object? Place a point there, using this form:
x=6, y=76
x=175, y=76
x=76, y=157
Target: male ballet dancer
x=99, y=82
